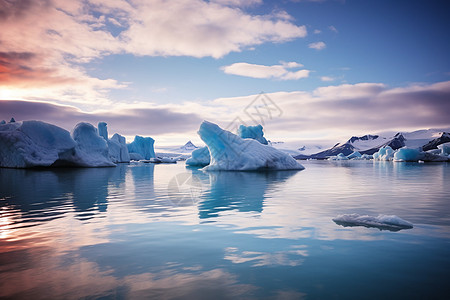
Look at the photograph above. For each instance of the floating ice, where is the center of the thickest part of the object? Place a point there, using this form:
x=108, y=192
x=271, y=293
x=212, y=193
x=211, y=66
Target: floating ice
x=164, y=160
x=118, y=150
x=382, y=222
x=384, y=153
x=445, y=149
x=406, y=154
x=252, y=132
x=230, y=152
x=142, y=146
x=354, y=155
x=340, y=156
x=135, y=156
x=199, y=157
x=91, y=149
x=33, y=144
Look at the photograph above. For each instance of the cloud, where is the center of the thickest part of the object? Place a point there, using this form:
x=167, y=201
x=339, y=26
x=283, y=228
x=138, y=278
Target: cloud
x=261, y=71
x=317, y=31
x=332, y=28
x=326, y=113
x=44, y=44
x=127, y=121
x=327, y=78
x=317, y=46
x=177, y=28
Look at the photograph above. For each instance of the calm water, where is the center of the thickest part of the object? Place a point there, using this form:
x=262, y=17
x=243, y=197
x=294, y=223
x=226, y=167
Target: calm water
x=169, y=232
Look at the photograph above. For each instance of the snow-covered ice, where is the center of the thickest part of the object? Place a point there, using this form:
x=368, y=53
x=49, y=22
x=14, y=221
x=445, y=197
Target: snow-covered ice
x=230, y=152
x=382, y=222
x=354, y=155
x=200, y=157
x=252, y=132
x=142, y=146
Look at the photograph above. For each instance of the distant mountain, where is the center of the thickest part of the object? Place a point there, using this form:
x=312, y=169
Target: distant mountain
x=189, y=146
x=369, y=144
x=444, y=138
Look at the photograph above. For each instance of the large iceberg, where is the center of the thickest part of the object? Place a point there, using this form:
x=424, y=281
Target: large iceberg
x=142, y=146
x=34, y=144
x=199, y=157
x=230, y=152
x=382, y=222
x=252, y=132
x=29, y=144
x=117, y=145
x=354, y=155
x=91, y=149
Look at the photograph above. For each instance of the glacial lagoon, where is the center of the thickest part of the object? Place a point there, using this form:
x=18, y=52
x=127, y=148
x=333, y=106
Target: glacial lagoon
x=171, y=232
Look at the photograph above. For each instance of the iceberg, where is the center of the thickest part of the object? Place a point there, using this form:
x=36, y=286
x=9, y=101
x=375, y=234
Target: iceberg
x=384, y=153
x=34, y=144
x=354, y=155
x=118, y=150
x=252, y=132
x=28, y=144
x=91, y=149
x=117, y=145
x=102, y=130
x=407, y=154
x=233, y=153
x=340, y=156
x=199, y=157
x=382, y=222
x=142, y=146
x=163, y=160
x=445, y=148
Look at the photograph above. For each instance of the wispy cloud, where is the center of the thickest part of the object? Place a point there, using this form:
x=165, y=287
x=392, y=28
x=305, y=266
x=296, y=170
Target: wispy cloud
x=281, y=71
x=317, y=45
x=327, y=78
x=332, y=28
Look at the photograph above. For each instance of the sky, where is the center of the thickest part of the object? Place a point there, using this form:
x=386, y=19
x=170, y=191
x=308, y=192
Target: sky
x=306, y=70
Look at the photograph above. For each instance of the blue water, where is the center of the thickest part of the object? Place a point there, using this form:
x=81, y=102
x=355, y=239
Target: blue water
x=170, y=232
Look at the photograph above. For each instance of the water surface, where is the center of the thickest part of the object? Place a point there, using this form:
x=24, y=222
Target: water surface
x=171, y=232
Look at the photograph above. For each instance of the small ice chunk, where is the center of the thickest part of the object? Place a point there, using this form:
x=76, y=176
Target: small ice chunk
x=382, y=222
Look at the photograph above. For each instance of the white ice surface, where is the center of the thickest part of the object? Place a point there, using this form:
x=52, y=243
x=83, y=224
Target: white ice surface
x=389, y=222
x=230, y=152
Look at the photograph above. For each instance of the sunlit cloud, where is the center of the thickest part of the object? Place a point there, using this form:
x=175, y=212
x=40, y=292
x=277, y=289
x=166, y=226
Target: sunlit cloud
x=326, y=112
x=281, y=71
x=44, y=44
